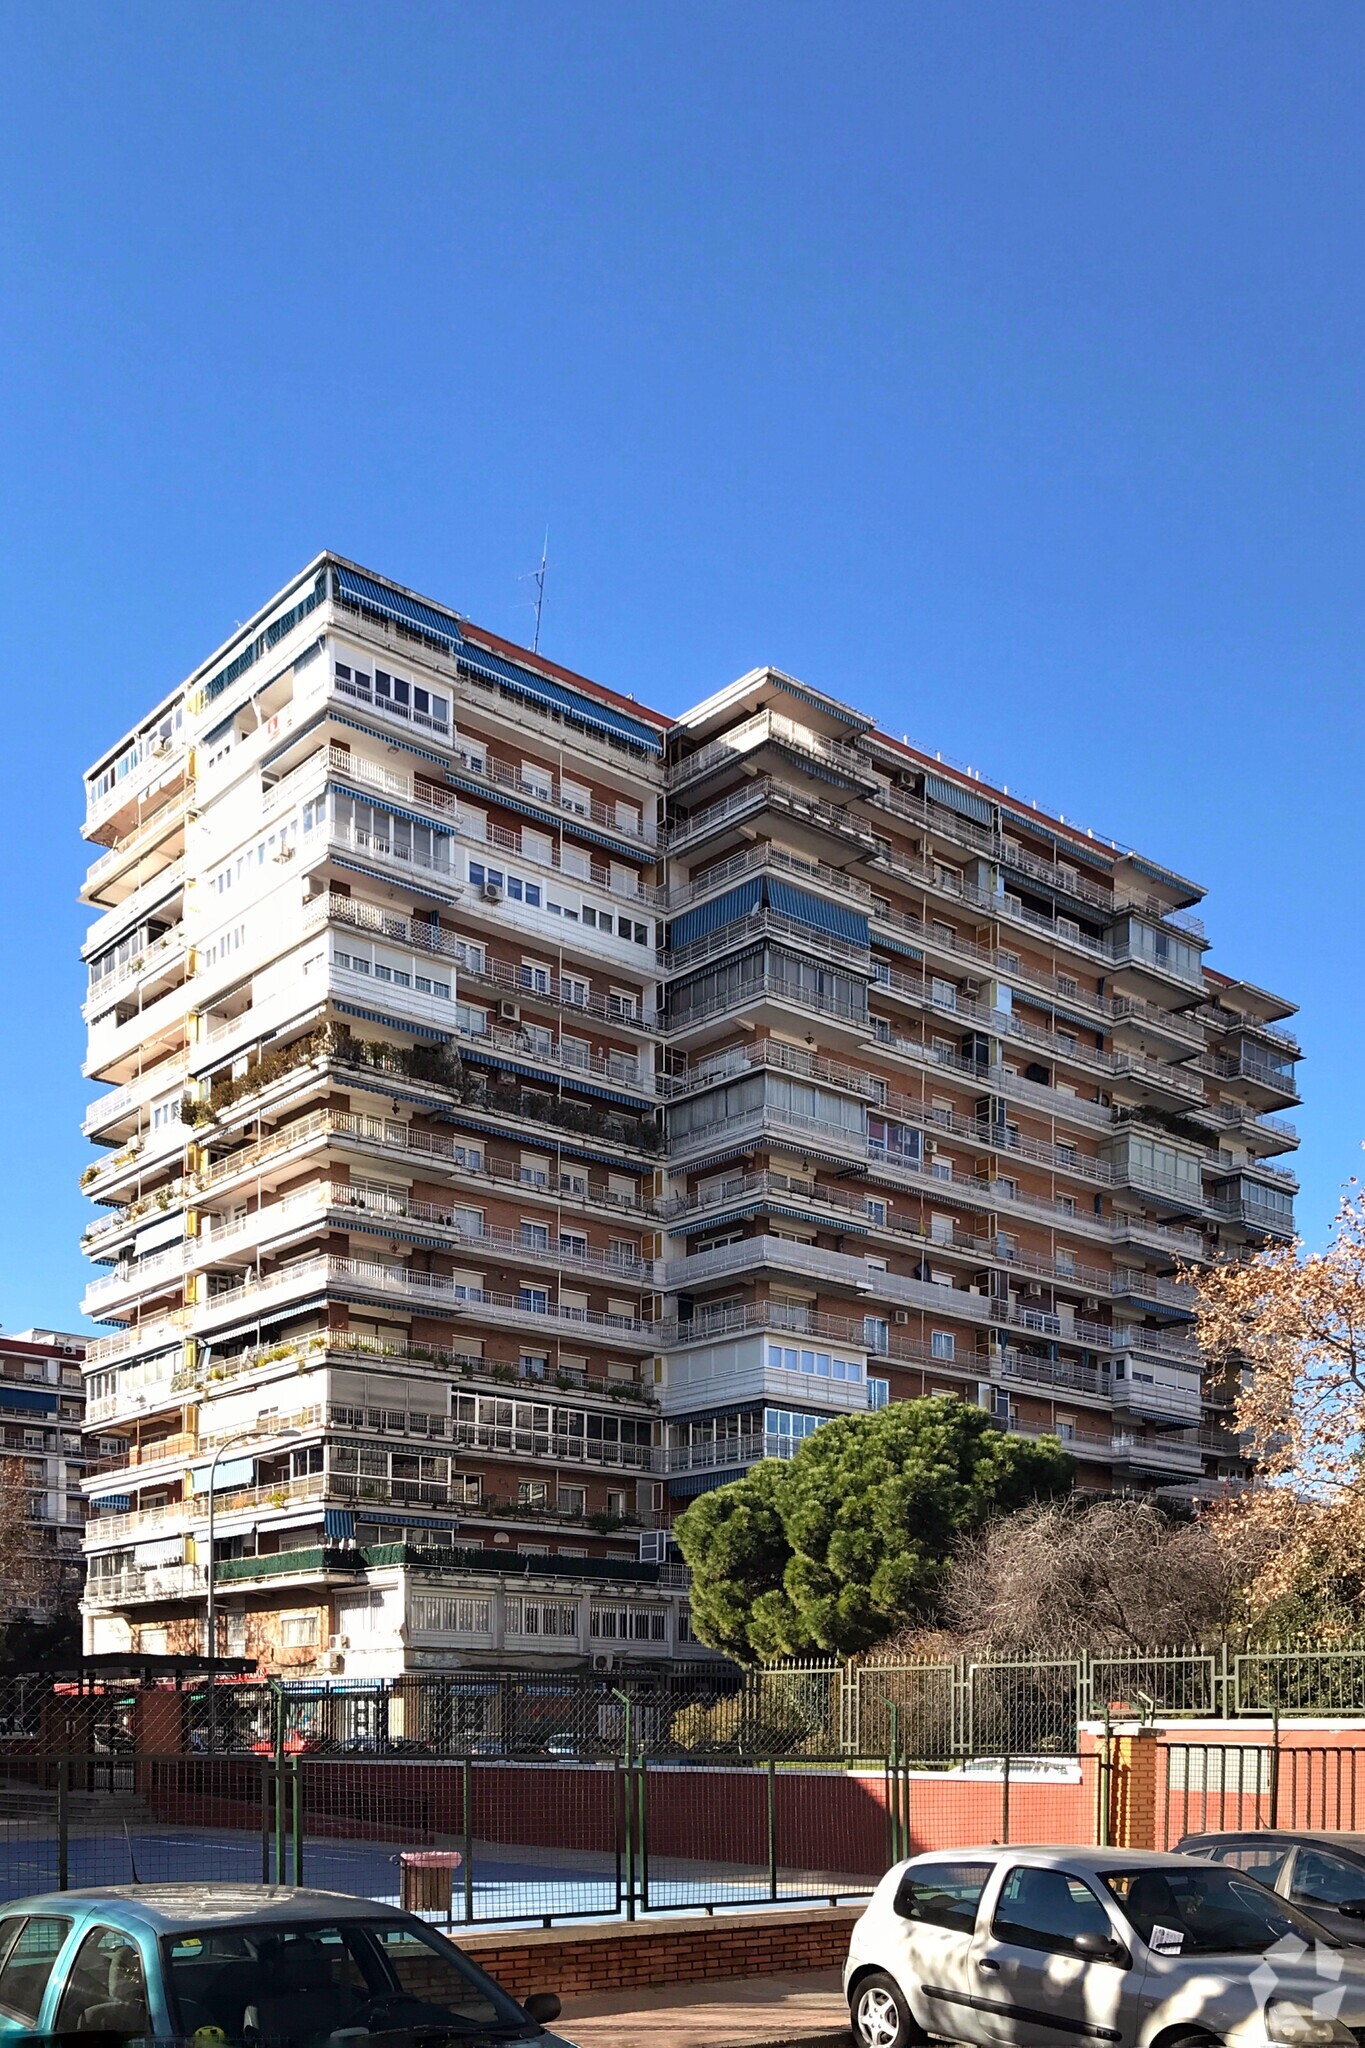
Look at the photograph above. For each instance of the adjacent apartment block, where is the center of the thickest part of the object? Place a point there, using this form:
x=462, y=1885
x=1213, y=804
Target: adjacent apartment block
x=522, y=1111
x=42, y=1465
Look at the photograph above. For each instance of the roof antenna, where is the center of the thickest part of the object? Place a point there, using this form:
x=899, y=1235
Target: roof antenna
x=538, y=576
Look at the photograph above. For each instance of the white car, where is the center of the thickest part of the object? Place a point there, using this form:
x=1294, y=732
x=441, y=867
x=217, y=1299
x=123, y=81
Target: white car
x=1119, y=1948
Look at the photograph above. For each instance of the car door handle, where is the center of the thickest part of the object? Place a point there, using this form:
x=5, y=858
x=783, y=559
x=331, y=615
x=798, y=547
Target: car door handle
x=986, y=1963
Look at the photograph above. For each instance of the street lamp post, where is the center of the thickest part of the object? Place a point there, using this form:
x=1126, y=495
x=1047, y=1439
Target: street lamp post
x=243, y=1436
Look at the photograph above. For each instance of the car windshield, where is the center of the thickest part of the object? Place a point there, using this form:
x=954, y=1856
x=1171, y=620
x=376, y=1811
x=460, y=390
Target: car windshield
x=1205, y=1910
x=281, y=1984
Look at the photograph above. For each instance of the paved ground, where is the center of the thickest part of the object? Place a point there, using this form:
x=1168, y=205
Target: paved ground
x=805, y=2010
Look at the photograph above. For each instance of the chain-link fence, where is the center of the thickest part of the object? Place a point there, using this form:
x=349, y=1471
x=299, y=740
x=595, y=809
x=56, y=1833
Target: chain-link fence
x=816, y=1712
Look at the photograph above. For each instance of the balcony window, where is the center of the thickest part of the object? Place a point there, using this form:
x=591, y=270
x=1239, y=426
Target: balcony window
x=942, y=1344
x=533, y=1301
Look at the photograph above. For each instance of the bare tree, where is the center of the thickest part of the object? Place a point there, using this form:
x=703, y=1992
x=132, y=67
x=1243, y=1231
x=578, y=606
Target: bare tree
x=1065, y=1576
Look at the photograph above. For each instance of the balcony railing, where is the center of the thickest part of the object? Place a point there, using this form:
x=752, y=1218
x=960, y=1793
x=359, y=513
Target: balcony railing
x=638, y=829
x=153, y=959
x=765, y=924
x=368, y=1277
x=765, y=793
x=767, y=858
x=410, y=1142
x=148, y=833
x=770, y=728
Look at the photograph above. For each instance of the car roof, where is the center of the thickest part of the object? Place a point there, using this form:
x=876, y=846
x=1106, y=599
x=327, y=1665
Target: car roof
x=1311, y=1837
x=175, y=1908
x=1057, y=1856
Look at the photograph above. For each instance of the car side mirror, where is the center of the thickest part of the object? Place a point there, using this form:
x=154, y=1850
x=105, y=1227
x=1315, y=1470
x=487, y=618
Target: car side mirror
x=542, y=2007
x=1101, y=1948
x=1354, y=1907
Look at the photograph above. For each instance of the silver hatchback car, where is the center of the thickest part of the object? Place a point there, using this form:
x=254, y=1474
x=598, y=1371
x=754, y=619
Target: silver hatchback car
x=1039, y=1948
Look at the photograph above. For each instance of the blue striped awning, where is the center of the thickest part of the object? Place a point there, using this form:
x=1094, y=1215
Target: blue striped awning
x=556, y=1080
x=338, y=1525
x=394, y=1024
x=721, y=910
x=817, y=912
x=27, y=1400
x=565, y=821
x=382, y=803
x=395, y=604
x=540, y=689
x=966, y=801
x=112, y=1504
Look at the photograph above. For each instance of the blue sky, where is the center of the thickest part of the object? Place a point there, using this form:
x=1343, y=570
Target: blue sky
x=998, y=368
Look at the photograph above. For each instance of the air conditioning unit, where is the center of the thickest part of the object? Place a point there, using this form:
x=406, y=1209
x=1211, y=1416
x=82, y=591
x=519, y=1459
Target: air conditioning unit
x=971, y=988
x=492, y=893
x=162, y=746
x=930, y=1148
x=902, y=1315
x=603, y=1660
x=334, y=1660
x=285, y=853
x=509, y=1012
x=1092, y=1302
x=335, y=1643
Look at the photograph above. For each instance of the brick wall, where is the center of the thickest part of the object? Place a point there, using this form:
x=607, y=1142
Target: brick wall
x=688, y=1951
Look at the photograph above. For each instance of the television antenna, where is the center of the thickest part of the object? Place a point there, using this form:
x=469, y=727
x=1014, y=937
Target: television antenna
x=537, y=576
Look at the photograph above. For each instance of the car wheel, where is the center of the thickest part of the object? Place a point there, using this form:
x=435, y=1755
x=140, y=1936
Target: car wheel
x=881, y=2017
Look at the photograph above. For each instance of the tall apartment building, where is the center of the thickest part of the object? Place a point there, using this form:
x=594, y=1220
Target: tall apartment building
x=42, y=1405
x=523, y=1111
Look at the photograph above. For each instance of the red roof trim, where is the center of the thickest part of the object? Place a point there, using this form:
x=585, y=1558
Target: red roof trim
x=523, y=655
x=1021, y=809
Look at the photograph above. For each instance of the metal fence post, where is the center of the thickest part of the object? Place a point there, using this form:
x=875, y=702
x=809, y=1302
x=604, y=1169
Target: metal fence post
x=277, y=1699
x=772, y=1829
x=1275, y=1765
x=628, y=1789
x=297, y=1776
x=1105, y=1776
x=63, y=1820
x=265, y=1820
x=642, y=1831
x=1005, y=1803
x=467, y=1819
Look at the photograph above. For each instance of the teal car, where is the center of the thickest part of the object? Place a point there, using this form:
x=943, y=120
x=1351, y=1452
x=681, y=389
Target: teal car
x=246, y=1966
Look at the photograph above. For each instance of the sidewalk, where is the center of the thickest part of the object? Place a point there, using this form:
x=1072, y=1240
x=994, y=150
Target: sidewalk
x=801, y=2011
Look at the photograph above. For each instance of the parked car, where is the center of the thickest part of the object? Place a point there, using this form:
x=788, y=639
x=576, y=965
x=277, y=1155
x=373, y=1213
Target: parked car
x=227, y=1964
x=1322, y=1873
x=1122, y=1948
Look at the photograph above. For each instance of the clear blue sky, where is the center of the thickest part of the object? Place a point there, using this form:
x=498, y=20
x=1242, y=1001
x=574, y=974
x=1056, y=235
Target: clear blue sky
x=998, y=368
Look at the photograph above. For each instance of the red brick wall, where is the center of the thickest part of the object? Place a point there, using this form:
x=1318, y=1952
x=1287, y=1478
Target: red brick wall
x=666, y=1951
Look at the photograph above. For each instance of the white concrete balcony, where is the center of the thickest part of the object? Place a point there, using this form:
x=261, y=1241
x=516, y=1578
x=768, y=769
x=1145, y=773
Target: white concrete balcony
x=143, y=1337
x=423, y=1150
x=118, y=1103
x=139, y=847
x=522, y=1046
x=1162, y=1401
x=154, y=1582
x=1157, y=1454
x=760, y=925
x=165, y=884
x=367, y=1279
x=540, y=986
x=382, y=851
x=706, y=1326
x=563, y=860
x=136, y=1524
x=127, y=1284
x=160, y=1023
x=770, y=859
x=632, y=822
x=812, y=813
x=768, y=728
x=158, y=762
x=723, y=1454
x=146, y=970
